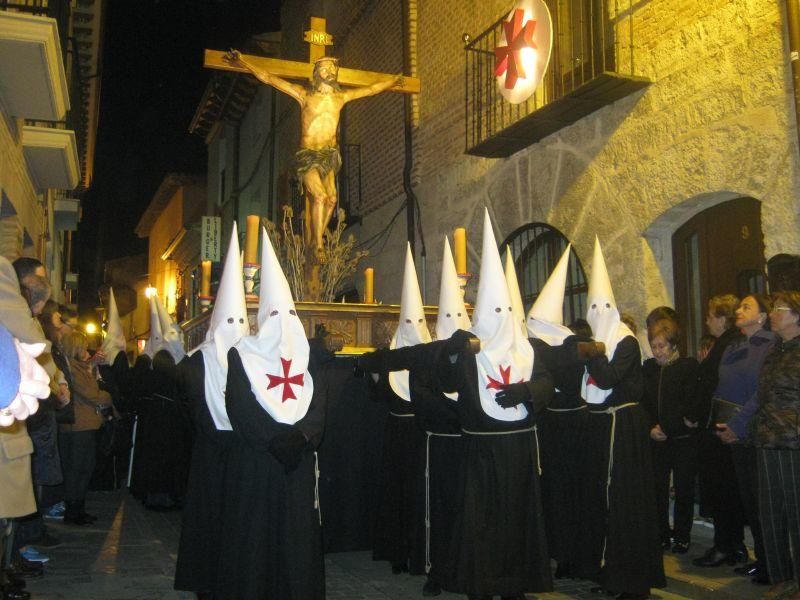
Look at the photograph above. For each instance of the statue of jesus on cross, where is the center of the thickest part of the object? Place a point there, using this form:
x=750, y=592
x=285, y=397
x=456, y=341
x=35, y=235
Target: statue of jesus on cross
x=318, y=160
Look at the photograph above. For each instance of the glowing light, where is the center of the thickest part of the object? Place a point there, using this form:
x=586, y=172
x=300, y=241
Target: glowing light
x=91, y=328
x=149, y=291
x=523, y=60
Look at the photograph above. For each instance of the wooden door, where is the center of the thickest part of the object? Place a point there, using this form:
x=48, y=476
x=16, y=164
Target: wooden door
x=719, y=251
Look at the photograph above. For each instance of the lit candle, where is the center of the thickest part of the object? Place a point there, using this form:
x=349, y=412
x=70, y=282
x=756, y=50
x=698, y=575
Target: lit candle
x=251, y=239
x=369, y=285
x=205, y=279
x=460, y=241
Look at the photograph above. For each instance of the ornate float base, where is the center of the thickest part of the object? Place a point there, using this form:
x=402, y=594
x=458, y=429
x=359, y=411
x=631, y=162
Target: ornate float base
x=362, y=327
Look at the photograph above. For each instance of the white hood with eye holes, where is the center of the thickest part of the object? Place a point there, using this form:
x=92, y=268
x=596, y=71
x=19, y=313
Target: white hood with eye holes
x=412, y=328
x=603, y=316
x=506, y=356
x=227, y=325
x=276, y=359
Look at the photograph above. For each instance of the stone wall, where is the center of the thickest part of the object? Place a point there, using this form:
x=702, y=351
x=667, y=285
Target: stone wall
x=717, y=123
x=16, y=185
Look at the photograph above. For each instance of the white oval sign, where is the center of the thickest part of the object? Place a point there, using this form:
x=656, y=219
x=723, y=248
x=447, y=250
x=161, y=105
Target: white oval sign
x=523, y=54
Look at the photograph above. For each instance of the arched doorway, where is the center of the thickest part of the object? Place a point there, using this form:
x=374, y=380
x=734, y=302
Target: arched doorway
x=536, y=248
x=718, y=251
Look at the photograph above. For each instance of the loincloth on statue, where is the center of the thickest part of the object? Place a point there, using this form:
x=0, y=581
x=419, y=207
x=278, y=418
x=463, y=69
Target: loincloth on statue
x=323, y=160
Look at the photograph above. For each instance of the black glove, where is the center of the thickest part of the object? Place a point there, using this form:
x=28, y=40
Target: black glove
x=460, y=340
x=287, y=448
x=513, y=394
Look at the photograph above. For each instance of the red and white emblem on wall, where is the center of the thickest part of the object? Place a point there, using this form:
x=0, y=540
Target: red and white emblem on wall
x=522, y=57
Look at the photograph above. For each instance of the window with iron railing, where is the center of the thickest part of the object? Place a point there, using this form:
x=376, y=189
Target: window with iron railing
x=536, y=249
x=592, y=64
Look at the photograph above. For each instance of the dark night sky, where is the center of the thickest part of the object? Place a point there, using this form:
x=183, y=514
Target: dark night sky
x=152, y=82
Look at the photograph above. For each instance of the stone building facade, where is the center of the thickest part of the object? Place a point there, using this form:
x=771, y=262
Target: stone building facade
x=716, y=123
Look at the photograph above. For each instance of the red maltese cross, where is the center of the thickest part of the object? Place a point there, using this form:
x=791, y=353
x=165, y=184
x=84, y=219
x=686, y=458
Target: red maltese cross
x=505, y=376
x=508, y=58
x=286, y=381
x=591, y=381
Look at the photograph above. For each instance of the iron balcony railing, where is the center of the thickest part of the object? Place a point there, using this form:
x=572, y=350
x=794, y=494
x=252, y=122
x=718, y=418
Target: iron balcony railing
x=591, y=39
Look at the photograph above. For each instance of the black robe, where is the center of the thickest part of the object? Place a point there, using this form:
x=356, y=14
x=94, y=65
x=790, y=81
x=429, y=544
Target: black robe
x=400, y=527
x=562, y=430
x=620, y=545
x=498, y=537
x=114, y=442
x=271, y=544
x=437, y=416
x=198, y=550
x=163, y=438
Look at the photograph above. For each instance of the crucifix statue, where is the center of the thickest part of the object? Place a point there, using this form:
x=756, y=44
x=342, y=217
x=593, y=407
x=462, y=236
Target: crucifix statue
x=318, y=159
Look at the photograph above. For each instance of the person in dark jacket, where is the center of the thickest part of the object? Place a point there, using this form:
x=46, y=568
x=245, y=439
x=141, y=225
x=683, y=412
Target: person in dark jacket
x=735, y=401
x=668, y=400
x=777, y=439
x=718, y=489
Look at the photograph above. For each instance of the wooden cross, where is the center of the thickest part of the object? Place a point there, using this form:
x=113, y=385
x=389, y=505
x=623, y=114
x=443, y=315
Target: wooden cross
x=318, y=39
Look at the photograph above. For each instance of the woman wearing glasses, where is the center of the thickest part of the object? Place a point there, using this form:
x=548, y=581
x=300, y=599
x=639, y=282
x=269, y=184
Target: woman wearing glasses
x=776, y=433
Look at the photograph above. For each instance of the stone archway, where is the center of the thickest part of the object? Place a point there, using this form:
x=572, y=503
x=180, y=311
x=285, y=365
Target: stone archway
x=711, y=244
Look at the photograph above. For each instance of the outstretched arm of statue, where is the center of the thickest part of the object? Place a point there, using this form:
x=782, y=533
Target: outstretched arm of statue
x=375, y=88
x=295, y=91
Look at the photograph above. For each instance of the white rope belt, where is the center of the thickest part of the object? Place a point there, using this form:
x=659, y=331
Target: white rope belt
x=428, y=435
x=538, y=456
x=611, y=410
x=528, y=430
x=316, y=487
x=394, y=414
x=566, y=409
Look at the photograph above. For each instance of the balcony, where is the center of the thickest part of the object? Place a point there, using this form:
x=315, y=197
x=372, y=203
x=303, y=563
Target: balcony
x=52, y=157
x=66, y=214
x=33, y=84
x=592, y=65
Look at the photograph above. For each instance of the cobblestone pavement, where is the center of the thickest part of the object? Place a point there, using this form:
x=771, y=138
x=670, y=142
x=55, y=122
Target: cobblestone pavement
x=129, y=554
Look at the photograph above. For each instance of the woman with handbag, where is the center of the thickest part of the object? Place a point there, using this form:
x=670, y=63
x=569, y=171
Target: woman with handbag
x=77, y=440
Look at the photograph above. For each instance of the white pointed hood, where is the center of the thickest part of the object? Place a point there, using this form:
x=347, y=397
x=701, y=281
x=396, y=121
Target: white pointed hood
x=452, y=310
x=114, y=343
x=156, y=341
x=517, y=307
x=452, y=313
x=227, y=325
x=603, y=317
x=412, y=328
x=173, y=334
x=276, y=359
x=546, y=317
x=506, y=356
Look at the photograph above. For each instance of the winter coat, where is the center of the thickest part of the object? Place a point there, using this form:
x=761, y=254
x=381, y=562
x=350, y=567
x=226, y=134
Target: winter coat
x=776, y=423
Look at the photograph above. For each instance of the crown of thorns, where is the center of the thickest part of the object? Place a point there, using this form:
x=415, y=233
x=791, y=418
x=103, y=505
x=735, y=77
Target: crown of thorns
x=327, y=59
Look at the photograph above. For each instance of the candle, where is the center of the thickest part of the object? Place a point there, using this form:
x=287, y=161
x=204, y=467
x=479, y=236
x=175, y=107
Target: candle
x=369, y=285
x=251, y=239
x=460, y=241
x=205, y=279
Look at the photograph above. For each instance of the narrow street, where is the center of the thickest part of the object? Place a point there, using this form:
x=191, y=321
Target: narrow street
x=129, y=554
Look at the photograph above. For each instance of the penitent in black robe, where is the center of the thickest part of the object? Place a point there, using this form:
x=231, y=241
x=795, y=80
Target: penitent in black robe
x=498, y=538
x=198, y=551
x=400, y=527
x=619, y=542
x=271, y=543
x=437, y=416
x=163, y=438
x=562, y=430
